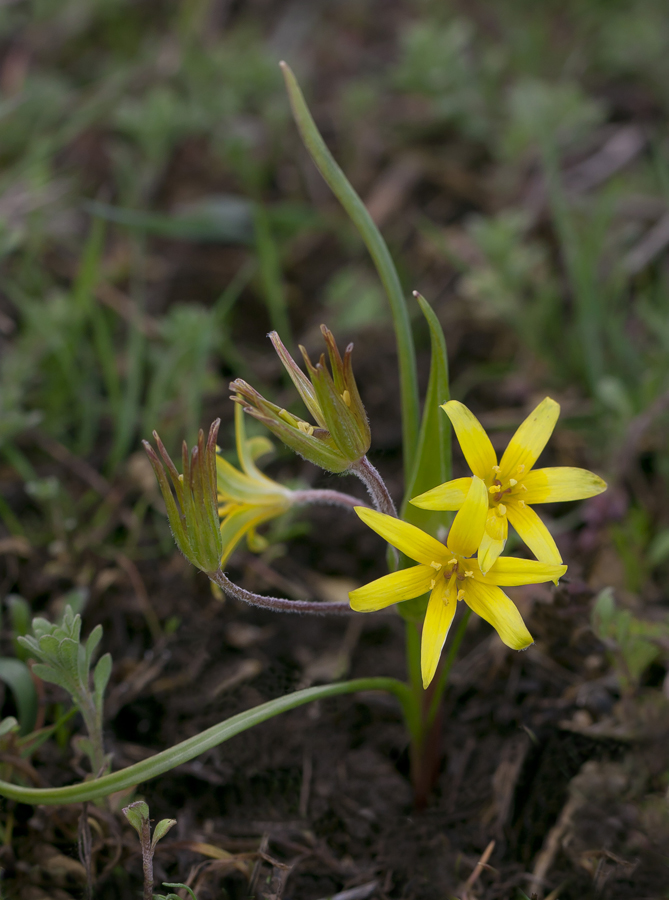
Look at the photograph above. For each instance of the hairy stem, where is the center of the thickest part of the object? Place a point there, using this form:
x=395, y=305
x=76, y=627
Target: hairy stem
x=326, y=498
x=200, y=743
x=375, y=485
x=147, y=859
x=277, y=604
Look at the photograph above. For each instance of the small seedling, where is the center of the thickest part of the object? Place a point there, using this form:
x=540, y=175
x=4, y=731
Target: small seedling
x=633, y=644
x=171, y=896
x=65, y=661
x=138, y=816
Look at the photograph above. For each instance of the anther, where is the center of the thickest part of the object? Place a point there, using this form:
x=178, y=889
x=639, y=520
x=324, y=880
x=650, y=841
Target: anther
x=432, y=584
x=512, y=482
x=521, y=503
x=435, y=565
x=496, y=469
x=501, y=510
x=461, y=594
x=494, y=489
x=523, y=488
x=468, y=574
x=346, y=397
x=520, y=469
x=452, y=562
x=305, y=428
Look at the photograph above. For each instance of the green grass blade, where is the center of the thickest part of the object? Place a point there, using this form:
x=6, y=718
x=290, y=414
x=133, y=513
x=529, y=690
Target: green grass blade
x=270, y=274
x=432, y=464
x=16, y=675
x=83, y=313
x=200, y=743
x=129, y=407
x=379, y=252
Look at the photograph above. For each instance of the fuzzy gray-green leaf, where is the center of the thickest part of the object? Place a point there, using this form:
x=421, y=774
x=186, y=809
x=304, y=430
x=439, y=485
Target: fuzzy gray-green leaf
x=161, y=830
x=94, y=639
x=137, y=814
x=101, y=678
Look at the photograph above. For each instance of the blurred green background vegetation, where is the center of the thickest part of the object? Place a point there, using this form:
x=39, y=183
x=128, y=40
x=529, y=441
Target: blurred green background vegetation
x=158, y=216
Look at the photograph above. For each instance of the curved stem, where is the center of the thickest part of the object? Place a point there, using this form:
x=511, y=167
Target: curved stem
x=375, y=485
x=200, y=743
x=326, y=498
x=277, y=604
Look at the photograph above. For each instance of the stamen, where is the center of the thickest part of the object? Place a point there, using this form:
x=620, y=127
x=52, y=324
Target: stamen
x=494, y=489
x=521, y=503
x=346, y=397
x=520, y=469
x=432, y=584
x=435, y=565
x=501, y=510
x=523, y=488
x=461, y=594
x=305, y=428
x=181, y=478
x=512, y=482
x=468, y=574
x=452, y=562
x=496, y=469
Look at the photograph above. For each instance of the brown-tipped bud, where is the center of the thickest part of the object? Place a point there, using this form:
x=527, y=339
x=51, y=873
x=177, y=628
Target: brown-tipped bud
x=193, y=515
x=341, y=435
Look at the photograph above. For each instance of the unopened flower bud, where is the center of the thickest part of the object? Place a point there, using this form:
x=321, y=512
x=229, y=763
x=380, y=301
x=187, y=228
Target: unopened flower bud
x=193, y=516
x=341, y=435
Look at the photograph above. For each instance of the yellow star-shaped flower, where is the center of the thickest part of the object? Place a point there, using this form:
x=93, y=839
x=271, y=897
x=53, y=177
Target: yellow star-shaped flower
x=246, y=498
x=451, y=573
x=513, y=485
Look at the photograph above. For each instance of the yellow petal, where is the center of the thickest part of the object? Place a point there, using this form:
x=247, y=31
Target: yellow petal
x=530, y=439
x=535, y=534
x=450, y=495
x=416, y=544
x=492, y=604
x=438, y=619
x=494, y=539
x=236, y=486
x=508, y=571
x=240, y=522
x=469, y=525
x=560, y=484
x=479, y=452
x=403, y=585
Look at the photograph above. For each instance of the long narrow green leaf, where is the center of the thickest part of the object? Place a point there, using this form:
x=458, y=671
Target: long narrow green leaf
x=16, y=675
x=379, y=252
x=200, y=743
x=432, y=465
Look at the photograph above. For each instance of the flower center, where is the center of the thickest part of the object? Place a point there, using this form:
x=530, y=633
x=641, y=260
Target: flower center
x=503, y=488
x=454, y=570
